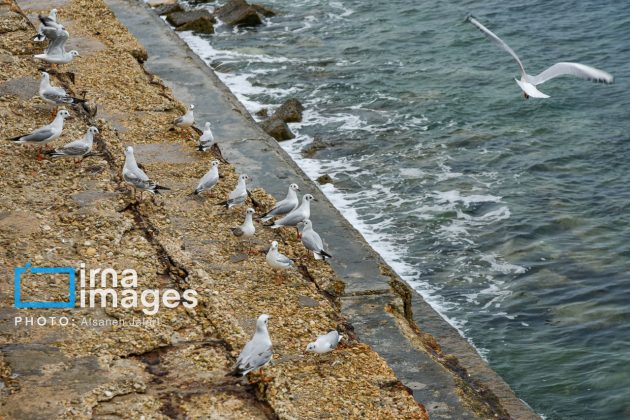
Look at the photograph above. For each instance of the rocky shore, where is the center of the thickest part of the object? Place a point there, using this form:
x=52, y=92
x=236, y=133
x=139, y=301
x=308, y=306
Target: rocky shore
x=173, y=364
x=58, y=213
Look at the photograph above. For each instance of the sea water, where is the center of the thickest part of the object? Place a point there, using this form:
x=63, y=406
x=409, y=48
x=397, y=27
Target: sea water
x=510, y=216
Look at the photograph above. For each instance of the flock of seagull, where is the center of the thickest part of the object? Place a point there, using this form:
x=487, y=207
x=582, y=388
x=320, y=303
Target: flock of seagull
x=289, y=212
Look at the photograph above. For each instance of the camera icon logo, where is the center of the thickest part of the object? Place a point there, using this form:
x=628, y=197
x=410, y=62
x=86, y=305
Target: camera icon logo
x=19, y=272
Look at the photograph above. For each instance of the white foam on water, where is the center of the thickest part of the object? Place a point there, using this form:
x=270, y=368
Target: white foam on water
x=502, y=267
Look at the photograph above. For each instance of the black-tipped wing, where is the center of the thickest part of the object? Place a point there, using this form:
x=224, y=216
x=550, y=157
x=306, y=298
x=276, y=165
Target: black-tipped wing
x=572, y=69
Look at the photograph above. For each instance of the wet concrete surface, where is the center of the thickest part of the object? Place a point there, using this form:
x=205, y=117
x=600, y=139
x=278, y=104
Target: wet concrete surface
x=367, y=290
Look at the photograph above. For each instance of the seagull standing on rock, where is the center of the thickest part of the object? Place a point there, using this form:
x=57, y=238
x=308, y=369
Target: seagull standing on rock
x=313, y=242
x=206, y=139
x=186, y=120
x=55, y=95
x=277, y=260
x=325, y=343
x=78, y=148
x=136, y=177
x=528, y=82
x=247, y=229
x=45, y=134
x=239, y=194
x=209, y=180
x=284, y=206
x=257, y=352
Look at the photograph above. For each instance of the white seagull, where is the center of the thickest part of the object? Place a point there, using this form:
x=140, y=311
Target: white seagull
x=296, y=216
x=312, y=241
x=285, y=206
x=206, y=139
x=78, y=148
x=257, y=352
x=277, y=260
x=325, y=343
x=247, y=229
x=528, y=82
x=186, y=120
x=55, y=95
x=45, y=134
x=210, y=179
x=238, y=194
x=136, y=177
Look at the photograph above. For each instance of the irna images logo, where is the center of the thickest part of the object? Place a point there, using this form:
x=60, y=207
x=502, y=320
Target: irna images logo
x=19, y=272
x=101, y=288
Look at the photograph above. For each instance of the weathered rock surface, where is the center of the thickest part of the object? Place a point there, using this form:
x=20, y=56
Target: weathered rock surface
x=312, y=148
x=195, y=20
x=277, y=128
x=290, y=111
x=238, y=13
x=324, y=179
x=263, y=10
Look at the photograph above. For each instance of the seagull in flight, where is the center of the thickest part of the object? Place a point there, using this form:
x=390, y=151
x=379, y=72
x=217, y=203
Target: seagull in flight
x=528, y=82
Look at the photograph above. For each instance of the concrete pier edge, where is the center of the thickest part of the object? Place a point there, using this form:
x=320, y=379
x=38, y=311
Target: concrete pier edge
x=385, y=312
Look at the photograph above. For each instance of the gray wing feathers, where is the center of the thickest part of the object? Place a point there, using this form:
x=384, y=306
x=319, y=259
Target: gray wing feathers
x=78, y=149
x=313, y=241
x=57, y=97
x=38, y=136
x=283, y=259
x=207, y=182
x=290, y=219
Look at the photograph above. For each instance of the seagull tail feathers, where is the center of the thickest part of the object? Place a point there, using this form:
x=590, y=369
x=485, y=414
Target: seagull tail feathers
x=324, y=254
x=157, y=188
x=52, y=153
x=236, y=372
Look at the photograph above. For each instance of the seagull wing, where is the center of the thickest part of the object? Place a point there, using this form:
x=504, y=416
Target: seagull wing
x=282, y=207
x=256, y=353
x=57, y=97
x=572, y=69
x=57, y=41
x=75, y=148
x=283, y=259
x=496, y=40
x=40, y=135
x=312, y=241
x=291, y=219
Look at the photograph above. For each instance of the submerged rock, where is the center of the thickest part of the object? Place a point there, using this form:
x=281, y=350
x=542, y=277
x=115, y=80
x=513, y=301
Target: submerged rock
x=156, y=3
x=196, y=20
x=290, y=111
x=238, y=13
x=324, y=179
x=277, y=128
x=167, y=9
x=314, y=147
